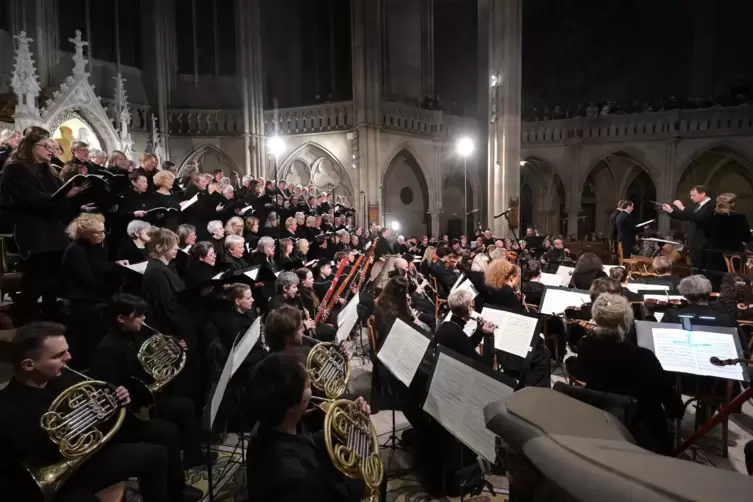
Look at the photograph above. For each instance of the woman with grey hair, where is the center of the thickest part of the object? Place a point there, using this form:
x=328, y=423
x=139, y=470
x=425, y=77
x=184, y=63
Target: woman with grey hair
x=271, y=228
x=234, y=251
x=264, y=259
x=697, y=289
x=134, y=248
x=451, y=333
x=187, y=235
x=217, y=237
x=607, y=362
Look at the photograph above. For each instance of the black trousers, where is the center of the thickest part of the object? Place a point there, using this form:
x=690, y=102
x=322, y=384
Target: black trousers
x=179, y=412
x=41, y=277
x=86, y=328
x=118, y=462
x=161, y=433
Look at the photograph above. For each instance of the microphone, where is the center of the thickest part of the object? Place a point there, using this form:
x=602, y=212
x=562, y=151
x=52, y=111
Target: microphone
x=503, y=213
x=471, y=212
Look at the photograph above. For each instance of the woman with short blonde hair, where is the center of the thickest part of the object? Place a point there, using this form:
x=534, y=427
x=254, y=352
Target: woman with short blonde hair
x=86, y=223
x=234, y=226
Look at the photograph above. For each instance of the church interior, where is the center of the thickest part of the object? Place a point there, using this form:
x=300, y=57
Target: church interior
x=394, y=250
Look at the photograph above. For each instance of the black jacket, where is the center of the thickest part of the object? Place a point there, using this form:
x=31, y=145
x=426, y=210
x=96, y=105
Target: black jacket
x=450, y=334
x=699, y=228
x=626, y=231
x=161, y=288
x=584, y=279
x=91, y=276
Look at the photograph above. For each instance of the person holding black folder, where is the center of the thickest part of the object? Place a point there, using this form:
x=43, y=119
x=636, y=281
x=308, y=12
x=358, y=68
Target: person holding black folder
x=232, y=258
x=27, y=195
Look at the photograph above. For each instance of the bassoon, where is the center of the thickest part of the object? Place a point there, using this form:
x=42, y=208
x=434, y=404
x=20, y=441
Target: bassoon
x=331, y=289
x=329, y=305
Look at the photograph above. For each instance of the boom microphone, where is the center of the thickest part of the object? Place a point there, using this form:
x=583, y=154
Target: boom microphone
x=503, y=213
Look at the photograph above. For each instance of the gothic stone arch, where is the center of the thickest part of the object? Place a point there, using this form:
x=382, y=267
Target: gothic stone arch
x=198, y=155
x=323, y=170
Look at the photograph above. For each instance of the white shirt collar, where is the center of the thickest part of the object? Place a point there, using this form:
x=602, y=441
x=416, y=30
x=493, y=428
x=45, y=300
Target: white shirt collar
x=704, y=201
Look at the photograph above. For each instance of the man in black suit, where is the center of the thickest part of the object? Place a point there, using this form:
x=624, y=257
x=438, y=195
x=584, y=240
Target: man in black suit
x=383, y=246
x=626, y=228
x=700, y=218
x=613, y=225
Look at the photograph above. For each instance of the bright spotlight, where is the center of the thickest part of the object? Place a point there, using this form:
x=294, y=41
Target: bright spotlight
x=465, y=146
x=395, y=226
x=494, y=81
x=522, y=163
x=276, y=145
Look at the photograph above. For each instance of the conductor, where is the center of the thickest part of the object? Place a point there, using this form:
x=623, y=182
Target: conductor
x=626, y=228
x=700, y=218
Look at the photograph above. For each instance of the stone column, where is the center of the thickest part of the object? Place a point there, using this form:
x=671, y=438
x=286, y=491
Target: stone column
x=248, y=32
x=427, y=47
x=434, y=213
x=505, y=23
x=572, y=220
x=367, y=20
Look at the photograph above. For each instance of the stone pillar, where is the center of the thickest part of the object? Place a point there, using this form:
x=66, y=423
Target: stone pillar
x=427, y=47
x=434, y=213
x=572, y=220
x=505, y=46
x=248, y=32
x=367, y=20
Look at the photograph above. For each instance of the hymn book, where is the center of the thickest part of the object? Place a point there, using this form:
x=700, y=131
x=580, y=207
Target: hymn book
x=459, y=390
x=402, y=351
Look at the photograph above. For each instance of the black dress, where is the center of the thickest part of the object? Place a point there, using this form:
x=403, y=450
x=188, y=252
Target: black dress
x=728, y=233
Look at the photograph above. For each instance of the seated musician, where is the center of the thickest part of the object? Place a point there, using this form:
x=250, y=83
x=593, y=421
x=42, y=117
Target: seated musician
x=622, y=276
x=232, y=258
x=393, y=304
x=501, y=279
x=116, y=361
x=588, y=268
x=663, y=268
x=325, y=330
x=286, y=463
x=39, y=354
x=133, y=250
x=443, y=271
x=607, y=362
x=558, y=253
x=531, y=286
x=450, y=333
x=697, y=289
x=323, y=279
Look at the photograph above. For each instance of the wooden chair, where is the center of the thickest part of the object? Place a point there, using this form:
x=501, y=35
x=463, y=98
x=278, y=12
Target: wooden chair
x=619, y=253
x=114, y=493
x=372, y=339
x=734, y=263
x=438, y=302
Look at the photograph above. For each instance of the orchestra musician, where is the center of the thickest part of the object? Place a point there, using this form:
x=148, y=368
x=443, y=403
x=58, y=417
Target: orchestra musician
x=309, y=301
x=285, y=462
x=662, y=265
x=729, y=232
x=451, y=333
x=588, y=268
x=626, y=228
x=607, y=362
x=39, y=354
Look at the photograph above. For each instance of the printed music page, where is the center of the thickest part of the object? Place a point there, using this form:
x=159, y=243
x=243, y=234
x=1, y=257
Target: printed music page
x=514, y=332
x=220, y=388
x=557, y=300
x=457, y=283
x=690, y=351
x=468, y=285
x=252, y=274
x=243, y=348
x=456, y=399
x=550, y=280
x=637, y=287
x=663, y=298
x=403, y=351
x=565, y=273
x=347, y=319
x=138, y=267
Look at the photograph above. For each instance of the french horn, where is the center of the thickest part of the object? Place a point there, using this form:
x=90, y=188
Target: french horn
x=73, y=423
x=352, y=443
x=329, y=369
x=162, y=357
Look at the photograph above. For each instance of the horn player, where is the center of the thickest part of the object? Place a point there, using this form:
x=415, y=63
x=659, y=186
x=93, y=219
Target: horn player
x=39, y=357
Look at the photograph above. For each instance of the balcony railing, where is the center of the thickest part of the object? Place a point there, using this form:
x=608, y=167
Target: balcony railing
x=310, y=119
x=411, y=119
x=650, y=125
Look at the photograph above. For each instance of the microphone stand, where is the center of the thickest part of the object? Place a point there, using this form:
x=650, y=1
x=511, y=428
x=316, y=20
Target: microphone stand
x=506, y=214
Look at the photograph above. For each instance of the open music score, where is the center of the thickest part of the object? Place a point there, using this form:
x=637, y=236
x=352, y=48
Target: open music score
x=514, y=333
x=467, y=285
x=456, y=398
x=565, y=273
x=137, y=267
x=690, y=352
x=457, y=283
x=637, y=287
x=242, y=348
x=556, y=300
x=402, y=351
x=551, y=279
x=664, y=298
x=347, y=318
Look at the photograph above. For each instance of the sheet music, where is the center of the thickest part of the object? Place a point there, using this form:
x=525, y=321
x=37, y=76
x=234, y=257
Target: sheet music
x=367, y=246
x=565, y=273
x=252, y=274
x=188, y=203
x=551, y=280
x=456, y=399
x=138, y=267
x=639, y=225
x=663, y=298
x=312, y=262
x=514, y=332
x=557, y=300
x=636, y=287
x=457, y=283
x=348, y=318
x=218, y=276
x=689, y=352
x=467, y=285
x=219, y=390
x=277, y=274
x=245, y=209
x=659, y=316
x=187, y=249
x=403, y=351
x=244, y=346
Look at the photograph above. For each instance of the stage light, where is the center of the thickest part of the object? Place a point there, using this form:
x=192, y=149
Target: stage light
x=465, y=146
x=276, y=145
x=395, y=226
x=523, y=162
